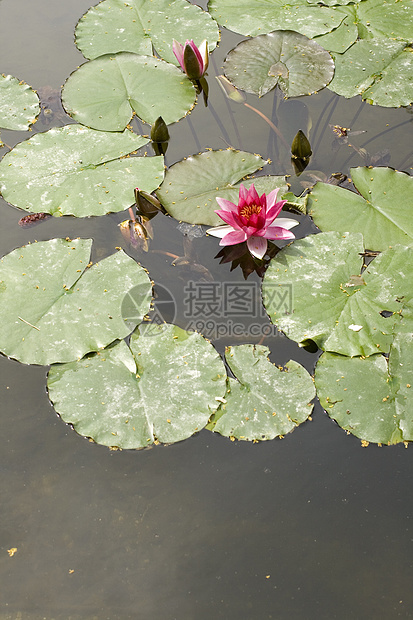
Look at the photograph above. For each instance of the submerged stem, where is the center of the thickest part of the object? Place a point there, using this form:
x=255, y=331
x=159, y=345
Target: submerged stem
x=271, y=124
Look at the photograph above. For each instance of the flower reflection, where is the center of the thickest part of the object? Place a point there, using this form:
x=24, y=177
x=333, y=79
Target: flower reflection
x=239, y=256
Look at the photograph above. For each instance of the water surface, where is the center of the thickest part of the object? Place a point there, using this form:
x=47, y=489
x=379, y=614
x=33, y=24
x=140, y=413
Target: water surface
x=312, y=526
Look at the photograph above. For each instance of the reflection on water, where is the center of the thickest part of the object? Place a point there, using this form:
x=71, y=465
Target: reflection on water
x=313, y=526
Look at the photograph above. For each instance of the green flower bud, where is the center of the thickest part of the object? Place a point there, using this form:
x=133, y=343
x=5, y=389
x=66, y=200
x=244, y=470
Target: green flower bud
x=159, y=131
x=301, y=147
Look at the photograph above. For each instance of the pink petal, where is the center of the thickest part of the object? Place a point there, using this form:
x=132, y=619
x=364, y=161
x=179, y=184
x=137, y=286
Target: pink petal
x=203, y=50
x=274, y=211
x=261, y=220
x=226, y=205
x=243, y=221
x=219, y=231
x=276, y=232
x=253, y=198
x=271, y=198
x=178, y=50
x=255, y=232
x=243, y=192
x=228, y=218
x=234, y=237
x=257, y=246
x=256, y=220
x=285, y=222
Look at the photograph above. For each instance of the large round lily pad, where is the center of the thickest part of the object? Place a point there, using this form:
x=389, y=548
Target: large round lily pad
x=297, y=64
x=381, y=211
x=191, y=186
x=74, y=170
x=341, y=310
x=55, y=308
x=380, y=70
x=19, y=104
x=138, y=25
x=163, y=389
x=104, y=93
x=263, y=16
x=264, y=401
x=370, y=397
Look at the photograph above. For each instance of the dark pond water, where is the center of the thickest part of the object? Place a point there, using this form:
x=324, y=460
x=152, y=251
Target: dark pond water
x=309, y=527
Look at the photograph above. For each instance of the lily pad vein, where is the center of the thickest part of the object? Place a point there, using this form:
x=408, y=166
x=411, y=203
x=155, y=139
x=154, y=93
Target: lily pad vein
x=387, y=217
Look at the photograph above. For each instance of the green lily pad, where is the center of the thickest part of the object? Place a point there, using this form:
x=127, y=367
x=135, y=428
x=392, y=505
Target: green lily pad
x=342, y=37
x=264, y=16
x=265, y=184
x=297, y=64
x=264, y=401
x=163, y=389
x=369, y=19
x=295, y=203
x=380, y=70
x=104, y=93
x=381, y=210
x=332, y=304
x=19, y=104
x=56, y=309
x=74, y=170
x=392, y=19
x=138, y=26
x=371, y=397
x=191, y=186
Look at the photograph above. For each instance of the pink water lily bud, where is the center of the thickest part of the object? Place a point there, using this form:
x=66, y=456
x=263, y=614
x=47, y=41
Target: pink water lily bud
x=254, y=220
x=193, y=59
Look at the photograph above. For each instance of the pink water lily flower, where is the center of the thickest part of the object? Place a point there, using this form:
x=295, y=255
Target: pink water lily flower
x=193, y=59
x=253, y=220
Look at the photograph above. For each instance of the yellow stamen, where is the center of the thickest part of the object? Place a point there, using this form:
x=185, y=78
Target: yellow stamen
x=250, y=210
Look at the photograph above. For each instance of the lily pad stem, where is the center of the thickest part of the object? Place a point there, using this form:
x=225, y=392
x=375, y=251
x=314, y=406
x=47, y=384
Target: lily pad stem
x=271, y=124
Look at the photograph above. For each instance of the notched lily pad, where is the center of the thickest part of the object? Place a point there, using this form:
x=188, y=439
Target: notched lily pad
x=279, y=69
x=297, y=64
x=295, y=203
x=191, y=186
x=263, y=16
x=342, y=37
x=55, y=308
x=264, y=401
x=104, y=93
x=371, y=397
x=74, y=170
x=381, y=211
x=139, y=26
x=161, y=389
x=19, y=104
x=337, y=311
x=380, y=70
